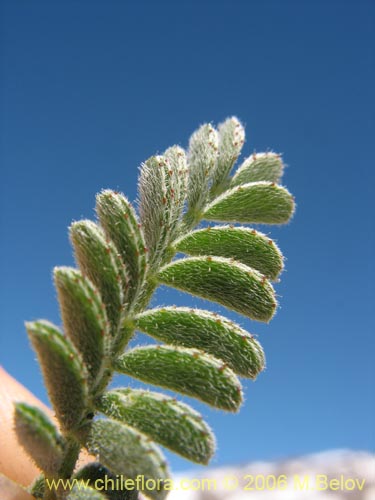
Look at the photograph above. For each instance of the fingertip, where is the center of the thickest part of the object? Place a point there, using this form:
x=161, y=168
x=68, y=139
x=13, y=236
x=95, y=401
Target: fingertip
x=12, y=491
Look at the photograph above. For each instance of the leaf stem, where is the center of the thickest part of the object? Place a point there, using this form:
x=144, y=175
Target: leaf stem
x=70, y=458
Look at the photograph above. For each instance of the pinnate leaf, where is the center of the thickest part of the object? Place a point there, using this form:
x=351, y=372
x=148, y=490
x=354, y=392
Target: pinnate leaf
x=188, y=371
x=127, y=452
x=243, y=244
x=64, y=373
x=167, y=421
x=255, y=202
x=222, y=280
x=259, y=167
x=39, y=437
x=84, y=317
x=208, y=332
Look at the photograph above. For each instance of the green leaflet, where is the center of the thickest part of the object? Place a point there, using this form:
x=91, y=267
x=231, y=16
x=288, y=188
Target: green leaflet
x=85, y=493
x=154, y=204
x=100, y=262
x=161, y=199
x=84, y=317
x=231, y=140
x=127, y=452
x=95, y=473
x=64, y=373
x=39, y=437
x=188, y=371
x=207, y=331
x=37, y=488
x=177, y=180
x=202, y=155
x=119, y=221
x=259, y=167
x=256, y=202
x=225, y=281
x=243, y=244
x=167, y=421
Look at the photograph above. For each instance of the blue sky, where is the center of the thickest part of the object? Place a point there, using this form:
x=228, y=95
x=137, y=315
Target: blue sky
x=91, y=89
